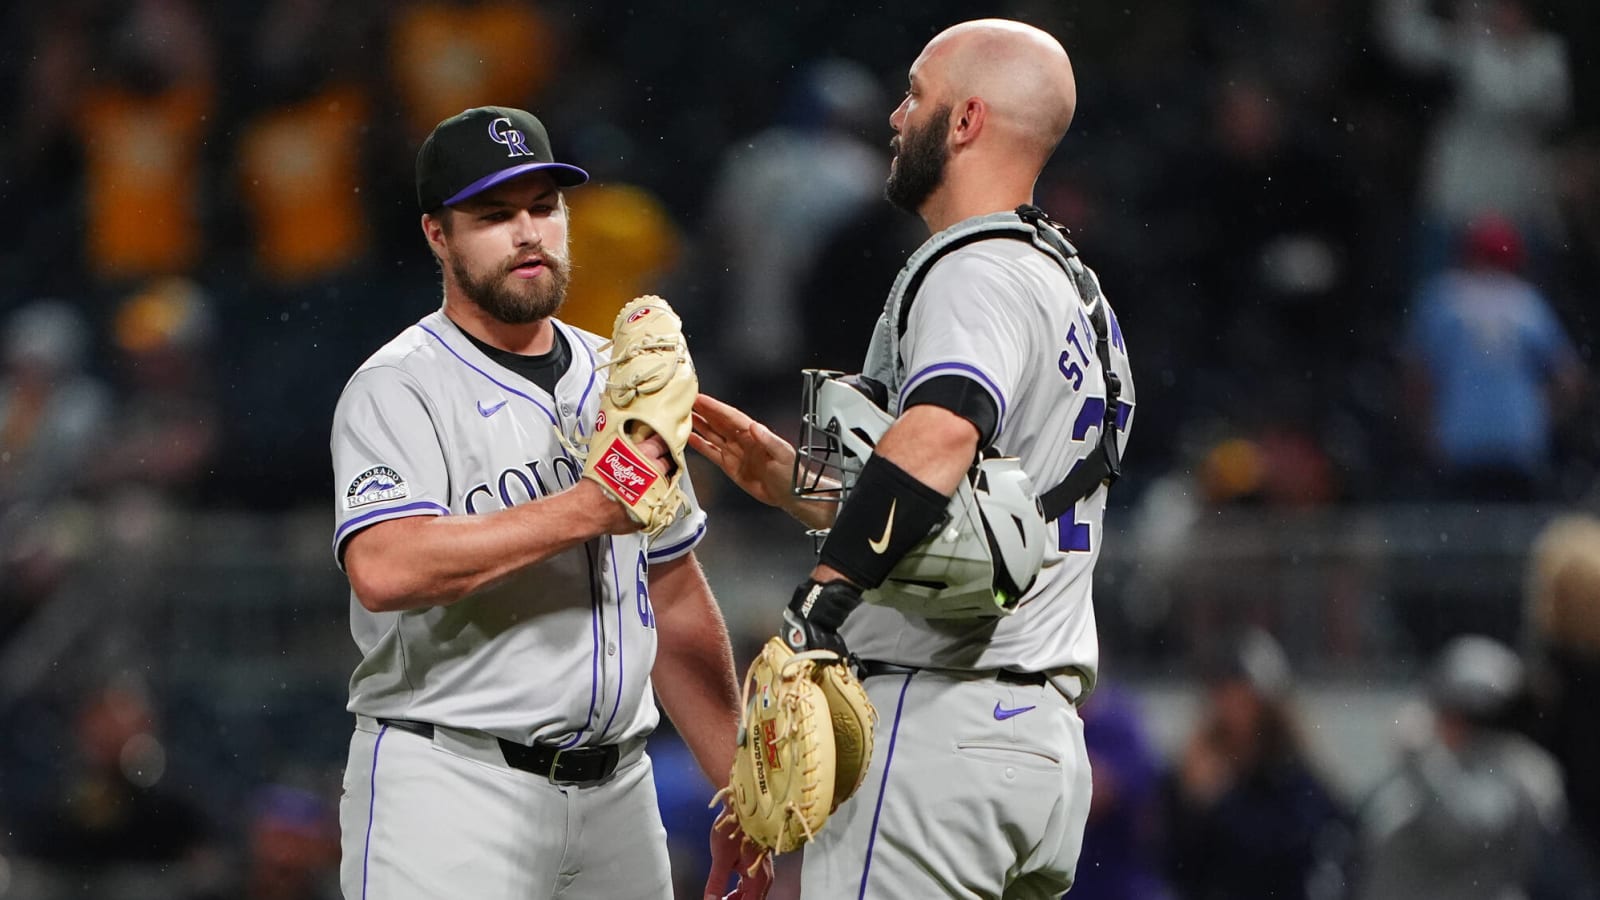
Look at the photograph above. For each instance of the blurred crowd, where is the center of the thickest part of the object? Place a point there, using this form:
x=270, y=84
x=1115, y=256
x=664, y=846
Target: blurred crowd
x=1355, y=244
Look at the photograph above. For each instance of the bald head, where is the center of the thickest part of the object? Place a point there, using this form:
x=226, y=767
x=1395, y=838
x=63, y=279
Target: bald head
x=1021, y=73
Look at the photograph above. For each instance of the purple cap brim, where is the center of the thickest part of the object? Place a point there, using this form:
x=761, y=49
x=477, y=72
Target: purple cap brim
x=573, y=176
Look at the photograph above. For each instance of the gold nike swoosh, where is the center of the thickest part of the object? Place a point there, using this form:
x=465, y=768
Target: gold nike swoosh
x=882, y=543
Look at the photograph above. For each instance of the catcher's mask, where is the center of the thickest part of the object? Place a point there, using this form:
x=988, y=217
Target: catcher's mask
x=991, y=545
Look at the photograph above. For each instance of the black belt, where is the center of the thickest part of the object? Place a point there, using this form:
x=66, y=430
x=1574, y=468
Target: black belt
x=579, y=766
x=872, y=667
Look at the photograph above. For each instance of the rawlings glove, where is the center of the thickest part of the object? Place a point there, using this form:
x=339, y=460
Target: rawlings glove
x=805, y=740
x=650, y=389
x=813, y=617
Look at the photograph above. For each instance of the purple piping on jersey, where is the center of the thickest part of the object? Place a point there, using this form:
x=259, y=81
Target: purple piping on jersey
x=616, y=584
x=372, y=805
x=496, y=382
x=894, y=732
x=671, y=549
x=339, y=535
x=594, y=654
x=922, y=376
x=594, y=369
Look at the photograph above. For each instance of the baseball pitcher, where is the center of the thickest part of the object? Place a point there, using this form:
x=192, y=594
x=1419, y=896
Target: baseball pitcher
x=519, y=540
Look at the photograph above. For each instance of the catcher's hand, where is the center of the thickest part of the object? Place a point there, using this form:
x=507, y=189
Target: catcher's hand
x=650, y=389
x=805, y=740
x=812, y=619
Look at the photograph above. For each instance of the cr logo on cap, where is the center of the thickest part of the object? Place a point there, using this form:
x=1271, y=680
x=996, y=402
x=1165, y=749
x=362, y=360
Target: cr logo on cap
x=516, y=144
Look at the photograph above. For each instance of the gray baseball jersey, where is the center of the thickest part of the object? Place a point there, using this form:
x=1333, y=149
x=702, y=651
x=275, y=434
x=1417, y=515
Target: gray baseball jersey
x=562, y=652
x=1003, y=314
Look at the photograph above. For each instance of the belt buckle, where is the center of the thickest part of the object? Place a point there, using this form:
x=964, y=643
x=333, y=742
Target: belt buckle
x=555, y=766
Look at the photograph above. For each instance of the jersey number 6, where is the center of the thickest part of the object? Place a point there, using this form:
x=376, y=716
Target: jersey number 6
x=641, y=593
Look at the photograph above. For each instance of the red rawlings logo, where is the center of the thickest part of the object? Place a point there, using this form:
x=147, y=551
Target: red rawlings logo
x=624, y=472
x=639, y=314
x=600, y=422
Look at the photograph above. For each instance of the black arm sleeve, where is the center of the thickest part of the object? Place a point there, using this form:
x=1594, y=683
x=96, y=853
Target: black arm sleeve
x=962, y=396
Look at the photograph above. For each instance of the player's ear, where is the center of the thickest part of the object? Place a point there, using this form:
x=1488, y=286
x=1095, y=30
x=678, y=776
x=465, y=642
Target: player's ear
x=434, y=229
x=969, y=121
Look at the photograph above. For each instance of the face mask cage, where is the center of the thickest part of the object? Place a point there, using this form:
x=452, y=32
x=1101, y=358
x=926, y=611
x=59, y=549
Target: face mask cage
x=839, y=426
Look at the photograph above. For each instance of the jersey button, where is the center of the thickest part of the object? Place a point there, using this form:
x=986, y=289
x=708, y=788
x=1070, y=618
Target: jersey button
x=566, y=409
x=611, y=648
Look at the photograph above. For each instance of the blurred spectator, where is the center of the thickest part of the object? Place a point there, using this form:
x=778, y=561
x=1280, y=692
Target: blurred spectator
x=44, y=171
x=1510, y=92
x=1280, y=467
x=113, y=808
x=299, y=158
x=1278, y=218
x=450, y=55
x=142, y=127
x=775, y=199
x=52, y=415
x=168, y=421
x=1246, y=814
x=1491, y=370
x=843, y=296
x=305, y=180
x=1121, y=857
x=51, y=411
x=166, y=428
x=293, y=849
x=1471, y=805
x=1563, y=617
x=622, y=237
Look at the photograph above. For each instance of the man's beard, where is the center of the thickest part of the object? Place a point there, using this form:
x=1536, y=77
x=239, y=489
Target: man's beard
x=919, y=165
x=512, y=302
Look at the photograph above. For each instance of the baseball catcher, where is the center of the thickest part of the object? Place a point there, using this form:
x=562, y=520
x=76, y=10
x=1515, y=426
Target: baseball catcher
x=805, y=739
x=650, y=389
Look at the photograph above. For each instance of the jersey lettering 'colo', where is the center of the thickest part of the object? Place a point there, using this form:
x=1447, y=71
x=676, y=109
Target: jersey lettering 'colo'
x=431, y=426
x=1004, y=315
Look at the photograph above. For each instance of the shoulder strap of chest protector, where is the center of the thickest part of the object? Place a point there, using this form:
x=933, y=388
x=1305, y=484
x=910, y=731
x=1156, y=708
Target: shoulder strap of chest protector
x=1049, y=237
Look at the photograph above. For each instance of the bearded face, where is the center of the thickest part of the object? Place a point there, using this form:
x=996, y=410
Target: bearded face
x=919, y=161
x=513, y=300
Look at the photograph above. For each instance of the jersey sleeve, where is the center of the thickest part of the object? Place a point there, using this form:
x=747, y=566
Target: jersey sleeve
x=970, y=321
x=684, y=534
x=387, y=459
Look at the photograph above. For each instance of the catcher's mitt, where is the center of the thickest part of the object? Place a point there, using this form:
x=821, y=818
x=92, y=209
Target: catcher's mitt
x=805, y=740
x=650, y=388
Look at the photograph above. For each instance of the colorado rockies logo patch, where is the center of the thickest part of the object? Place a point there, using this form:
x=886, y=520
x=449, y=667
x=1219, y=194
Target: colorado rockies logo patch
x=375, y=485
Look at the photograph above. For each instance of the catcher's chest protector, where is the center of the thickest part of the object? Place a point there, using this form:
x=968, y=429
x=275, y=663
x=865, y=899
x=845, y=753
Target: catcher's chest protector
x=885, y=364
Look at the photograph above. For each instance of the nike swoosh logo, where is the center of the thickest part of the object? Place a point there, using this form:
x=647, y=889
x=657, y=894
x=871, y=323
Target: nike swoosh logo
x=487, y=411
x=882, y=543
x=1001, y=714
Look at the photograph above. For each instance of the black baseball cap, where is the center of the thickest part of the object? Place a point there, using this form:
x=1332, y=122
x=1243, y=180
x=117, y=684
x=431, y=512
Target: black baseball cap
x=475, y=150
